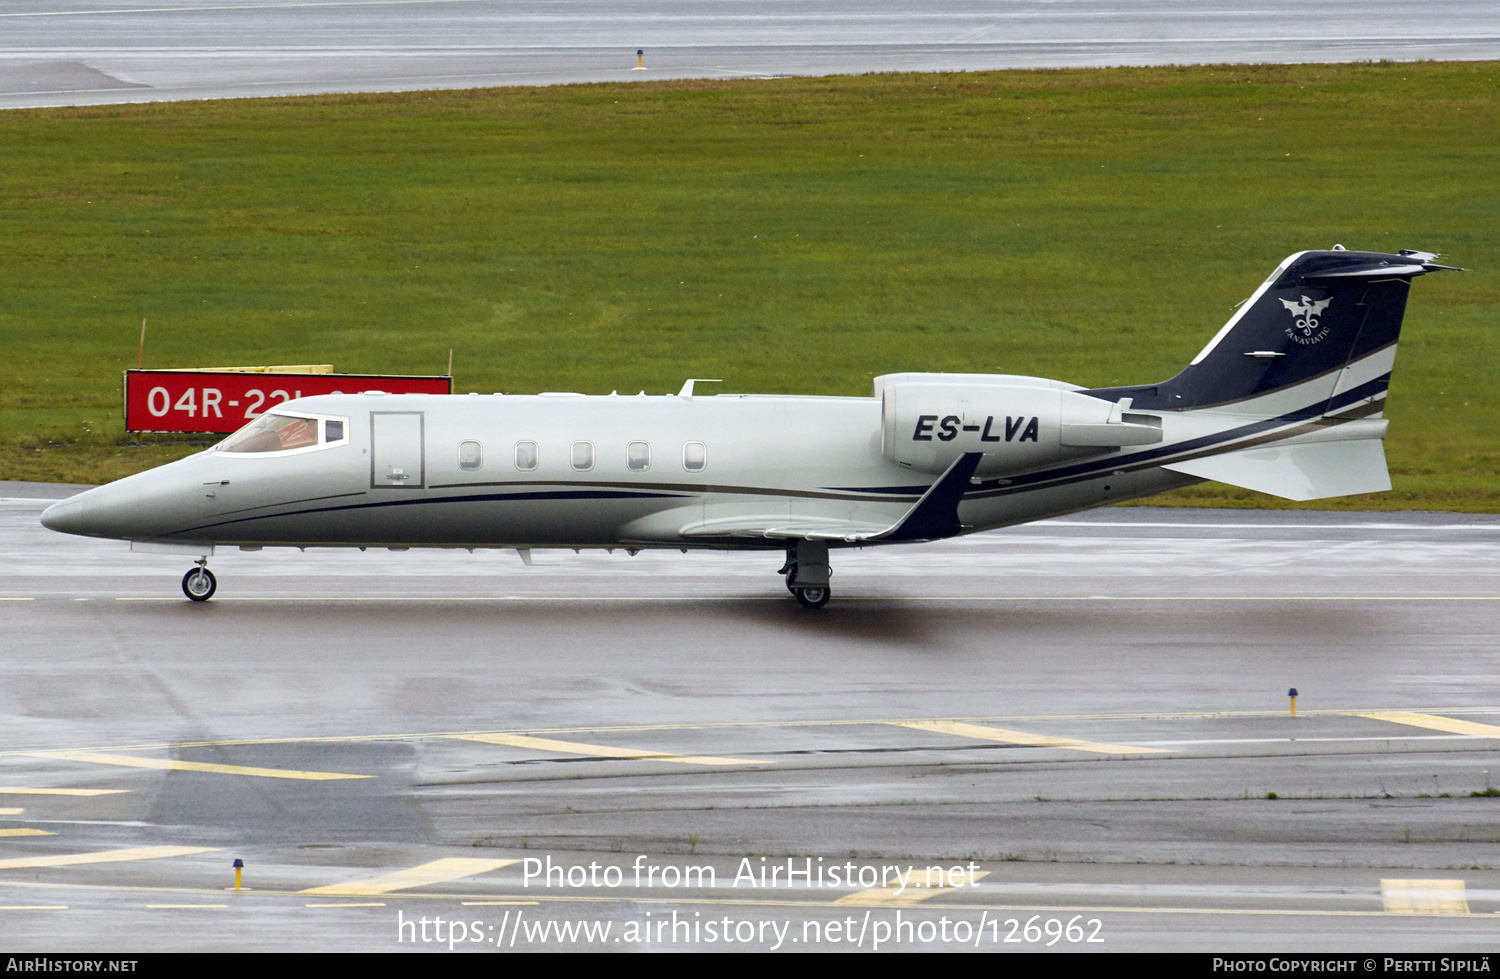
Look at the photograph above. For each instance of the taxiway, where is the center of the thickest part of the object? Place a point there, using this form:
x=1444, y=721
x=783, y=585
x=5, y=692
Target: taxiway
x=86, y=52
x=1087, y=717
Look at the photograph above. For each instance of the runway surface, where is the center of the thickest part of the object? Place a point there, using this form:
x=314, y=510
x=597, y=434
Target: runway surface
x=1077, y=725
x=84, y=52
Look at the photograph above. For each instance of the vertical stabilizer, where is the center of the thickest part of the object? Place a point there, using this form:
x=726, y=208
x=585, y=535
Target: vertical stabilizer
x=1320, y=333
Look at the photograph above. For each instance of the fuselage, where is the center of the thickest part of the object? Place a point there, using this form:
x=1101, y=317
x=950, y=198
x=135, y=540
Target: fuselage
x=569, y=471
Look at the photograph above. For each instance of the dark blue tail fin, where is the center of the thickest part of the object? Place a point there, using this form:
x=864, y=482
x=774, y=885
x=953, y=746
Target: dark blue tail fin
x=1324, y=320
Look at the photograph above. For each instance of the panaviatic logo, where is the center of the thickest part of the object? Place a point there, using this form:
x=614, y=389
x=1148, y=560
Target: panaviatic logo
x=1305, y=328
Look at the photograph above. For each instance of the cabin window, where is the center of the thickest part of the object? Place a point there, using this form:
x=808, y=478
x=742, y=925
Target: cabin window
x=638, y=457
x=470, y=455
x=526, y=456
x=333, y=430
x=273, y=433
x=583, y=456
x=694, y=457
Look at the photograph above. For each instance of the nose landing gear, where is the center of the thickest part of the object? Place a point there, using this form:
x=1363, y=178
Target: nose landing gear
x=200, y=584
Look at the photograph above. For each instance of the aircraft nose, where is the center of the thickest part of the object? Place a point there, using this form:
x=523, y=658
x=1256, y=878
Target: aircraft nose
x=65, y=517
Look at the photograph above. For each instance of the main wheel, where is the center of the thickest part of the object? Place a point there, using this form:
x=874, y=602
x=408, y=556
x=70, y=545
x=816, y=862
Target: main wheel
x=813, y=597
x=199, y=584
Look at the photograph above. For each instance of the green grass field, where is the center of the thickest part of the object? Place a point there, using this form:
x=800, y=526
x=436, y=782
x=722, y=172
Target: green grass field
x=791, y=235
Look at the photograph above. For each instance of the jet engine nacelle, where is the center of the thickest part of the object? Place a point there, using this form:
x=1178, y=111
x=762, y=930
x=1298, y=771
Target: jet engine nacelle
x=1019, y=423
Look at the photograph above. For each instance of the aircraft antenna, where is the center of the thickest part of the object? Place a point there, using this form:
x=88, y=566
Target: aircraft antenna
x=687, y=388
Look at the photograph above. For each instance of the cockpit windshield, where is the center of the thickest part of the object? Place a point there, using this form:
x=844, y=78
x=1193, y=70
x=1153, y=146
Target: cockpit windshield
x=274, y=433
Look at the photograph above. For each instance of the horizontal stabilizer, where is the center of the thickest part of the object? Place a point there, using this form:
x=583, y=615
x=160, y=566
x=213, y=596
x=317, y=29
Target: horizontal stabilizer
x=1299, y=472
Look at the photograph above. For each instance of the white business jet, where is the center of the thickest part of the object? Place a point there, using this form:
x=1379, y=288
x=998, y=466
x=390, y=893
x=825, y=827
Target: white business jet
x=1285, y=399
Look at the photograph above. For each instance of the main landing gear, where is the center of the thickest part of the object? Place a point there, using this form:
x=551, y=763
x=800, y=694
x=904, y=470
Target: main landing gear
x=199, y=584
x=806, y=571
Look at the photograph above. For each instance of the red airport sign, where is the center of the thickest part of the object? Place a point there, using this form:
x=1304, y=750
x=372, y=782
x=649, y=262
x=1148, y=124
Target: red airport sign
x=225, y=401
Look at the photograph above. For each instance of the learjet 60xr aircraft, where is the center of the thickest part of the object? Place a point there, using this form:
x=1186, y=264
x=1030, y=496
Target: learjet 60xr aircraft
x=1285, y=399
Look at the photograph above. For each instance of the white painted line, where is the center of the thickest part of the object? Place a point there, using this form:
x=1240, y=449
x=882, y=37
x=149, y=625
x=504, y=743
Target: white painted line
x=82, y=792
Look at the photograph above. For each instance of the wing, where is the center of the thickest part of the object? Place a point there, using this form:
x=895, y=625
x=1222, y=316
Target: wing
x=932, y=517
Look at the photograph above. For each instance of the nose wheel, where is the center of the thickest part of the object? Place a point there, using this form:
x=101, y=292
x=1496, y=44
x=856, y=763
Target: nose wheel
x=806, y=571
x=812, y=597
x=199, y=584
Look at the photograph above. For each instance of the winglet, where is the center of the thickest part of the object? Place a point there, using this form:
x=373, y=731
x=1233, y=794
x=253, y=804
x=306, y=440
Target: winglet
x=936, y=513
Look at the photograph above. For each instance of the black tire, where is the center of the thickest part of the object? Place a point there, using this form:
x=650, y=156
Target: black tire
x=199, y=584
x=813, y=597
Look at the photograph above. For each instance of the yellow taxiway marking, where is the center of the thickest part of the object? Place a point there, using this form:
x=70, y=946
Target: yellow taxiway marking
x=600, y=750
x=495, y=904
x=920, y=885
x=985, y=733
x=170, y=764
x=449, y=868
x=1432, y=721
x=26, y=831
x=349, y=904
x=10, y=811
x=4, y=791
x=1424, y=896
x=104, y=856
x=194, y=907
